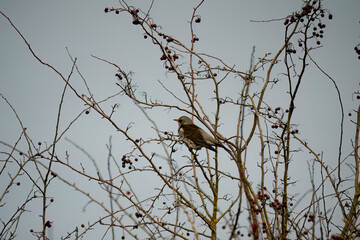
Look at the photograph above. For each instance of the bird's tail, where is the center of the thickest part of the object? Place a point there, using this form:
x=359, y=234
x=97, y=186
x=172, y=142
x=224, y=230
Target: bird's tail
x=222, y=146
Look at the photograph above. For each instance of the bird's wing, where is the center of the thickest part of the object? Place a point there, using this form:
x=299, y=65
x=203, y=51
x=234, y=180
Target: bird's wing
x=197, y=135
x=208, y=138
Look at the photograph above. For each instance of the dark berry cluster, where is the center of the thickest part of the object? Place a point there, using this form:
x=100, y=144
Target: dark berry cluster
x=166, y=37
x=117, y=11
x=309, y=217
x=118, y=75
x=263, y=198
x=336, y=237
x=170, y=56
x=138, y=215
x=136, y=19
x=134, y=12
x=195, y=39
x=126, y=160
x=278, y=114
x=357, y=50
x=312, y=16
x=48, y=224
x=276, y=205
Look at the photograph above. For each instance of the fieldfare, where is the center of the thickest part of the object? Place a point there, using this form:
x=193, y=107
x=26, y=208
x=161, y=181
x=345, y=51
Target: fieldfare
x=193, y=136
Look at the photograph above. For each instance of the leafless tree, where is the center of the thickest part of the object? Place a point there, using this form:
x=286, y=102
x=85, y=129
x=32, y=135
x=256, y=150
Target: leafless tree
x=187, y=201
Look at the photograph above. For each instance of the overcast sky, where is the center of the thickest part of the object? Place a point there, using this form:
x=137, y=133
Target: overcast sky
x=226, y=31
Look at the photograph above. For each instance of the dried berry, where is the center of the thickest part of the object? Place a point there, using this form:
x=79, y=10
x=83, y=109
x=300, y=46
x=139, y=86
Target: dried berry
x=195, y=39
x=136, y=22
x=48, y=224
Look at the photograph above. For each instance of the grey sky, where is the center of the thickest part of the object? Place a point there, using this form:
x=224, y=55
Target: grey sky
x=226, y=31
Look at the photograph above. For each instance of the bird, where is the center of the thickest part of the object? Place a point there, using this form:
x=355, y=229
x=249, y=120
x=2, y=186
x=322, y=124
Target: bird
x=193, y=136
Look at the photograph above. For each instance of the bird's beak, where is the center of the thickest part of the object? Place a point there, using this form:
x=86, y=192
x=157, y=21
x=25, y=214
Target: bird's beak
x=176, y=120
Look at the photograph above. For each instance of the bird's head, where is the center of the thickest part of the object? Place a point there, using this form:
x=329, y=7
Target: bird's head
x=184, y=120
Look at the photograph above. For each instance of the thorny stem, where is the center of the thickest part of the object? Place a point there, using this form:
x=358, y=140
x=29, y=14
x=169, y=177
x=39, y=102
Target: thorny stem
x=353, y=215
